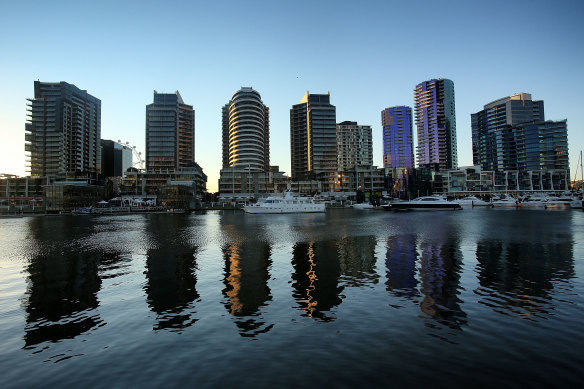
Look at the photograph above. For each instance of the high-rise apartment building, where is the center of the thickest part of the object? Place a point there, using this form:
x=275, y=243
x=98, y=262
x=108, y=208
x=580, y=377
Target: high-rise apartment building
x=354, y=146
x=398, y=144
x=246, y=131
x=436, y=124
x=63, y=130
x=494, y=140
x=170, y=133
x=313, y=138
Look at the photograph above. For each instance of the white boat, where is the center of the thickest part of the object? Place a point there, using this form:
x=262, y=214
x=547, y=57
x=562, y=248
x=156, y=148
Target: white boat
x=363, y=206
x=425, y=203
x=472, y=201
x=577, y=204
x=535, y=200
x=562, y=202
x=286, y=204
x=504, y=201
x=83, y=211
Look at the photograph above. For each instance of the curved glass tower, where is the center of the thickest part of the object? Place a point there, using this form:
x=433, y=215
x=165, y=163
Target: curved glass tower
x=246, y=131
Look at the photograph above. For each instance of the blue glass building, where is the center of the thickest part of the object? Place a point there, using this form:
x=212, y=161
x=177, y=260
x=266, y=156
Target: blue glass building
x=398, y=145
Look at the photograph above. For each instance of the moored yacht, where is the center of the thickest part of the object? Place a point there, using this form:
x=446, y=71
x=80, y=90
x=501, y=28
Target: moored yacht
x=578, y=203
x=565, y=201
x=536, y=200
x=472, y=201
x=363, y=206
x=286, y=204
x=504, y=201
x=425, y=203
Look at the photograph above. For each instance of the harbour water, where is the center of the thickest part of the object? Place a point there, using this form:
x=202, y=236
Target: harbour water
x=480, y=297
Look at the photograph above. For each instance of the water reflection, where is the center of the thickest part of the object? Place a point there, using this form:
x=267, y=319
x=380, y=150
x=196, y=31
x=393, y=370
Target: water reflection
x=440, y=267
x=62, y=295
x=400, y=261
x=357, y=260
x=425, y=269
x=518, y=278
x=63, y=281
x=316, y=278
x=171, y=272
x=246, y=285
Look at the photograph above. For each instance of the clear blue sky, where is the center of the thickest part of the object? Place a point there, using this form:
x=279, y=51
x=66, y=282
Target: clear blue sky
x=368, y=54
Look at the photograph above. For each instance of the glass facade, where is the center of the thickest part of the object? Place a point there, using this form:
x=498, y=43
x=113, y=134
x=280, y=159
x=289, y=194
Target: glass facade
x=542, y=145
x=494, y=138
x=170, y=133
x=63, y=130
x=436, y=124
x=398, y=145
x=313, y=138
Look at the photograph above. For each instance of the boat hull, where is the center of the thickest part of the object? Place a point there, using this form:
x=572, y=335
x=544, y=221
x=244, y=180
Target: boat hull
x=474, y=204
x=422, y=207
x=314, y=208
x=505, y=204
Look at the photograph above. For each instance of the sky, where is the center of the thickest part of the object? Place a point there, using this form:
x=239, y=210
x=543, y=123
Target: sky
x=368, y=54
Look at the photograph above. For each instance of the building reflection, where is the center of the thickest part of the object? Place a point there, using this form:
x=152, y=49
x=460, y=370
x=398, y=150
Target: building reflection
x=357, y=260
x=425, y=268
x=246, y=289
x=171, y=272
x=63, y=282
x=440, y=268
x=400, y=262
x=315, y=279
x=518, y=278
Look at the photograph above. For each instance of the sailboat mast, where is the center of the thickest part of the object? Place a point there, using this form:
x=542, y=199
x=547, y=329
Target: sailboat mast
x=579, y=165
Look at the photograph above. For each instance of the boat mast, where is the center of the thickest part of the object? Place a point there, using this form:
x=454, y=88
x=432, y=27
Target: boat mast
x=579, y=165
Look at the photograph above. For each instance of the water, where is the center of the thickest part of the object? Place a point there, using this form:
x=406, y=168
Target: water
x=475, y=297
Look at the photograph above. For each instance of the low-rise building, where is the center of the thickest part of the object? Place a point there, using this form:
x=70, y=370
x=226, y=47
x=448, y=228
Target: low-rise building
x=242, y=184
x=149, y=183
x=474, y=180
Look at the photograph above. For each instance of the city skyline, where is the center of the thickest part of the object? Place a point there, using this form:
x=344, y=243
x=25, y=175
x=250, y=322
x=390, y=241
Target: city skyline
x=115, y=64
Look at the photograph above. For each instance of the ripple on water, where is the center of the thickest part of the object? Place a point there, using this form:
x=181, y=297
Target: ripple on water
x=339, y=299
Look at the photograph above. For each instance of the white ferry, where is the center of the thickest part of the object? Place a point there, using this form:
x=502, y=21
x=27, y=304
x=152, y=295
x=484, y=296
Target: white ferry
x=286, y=204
